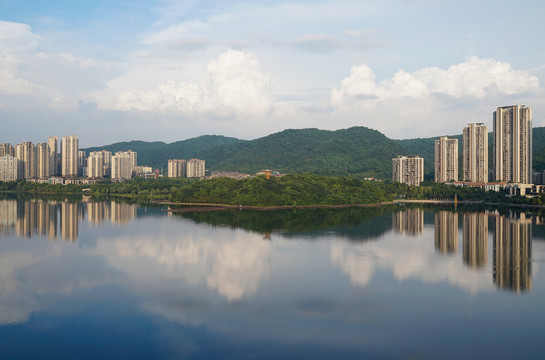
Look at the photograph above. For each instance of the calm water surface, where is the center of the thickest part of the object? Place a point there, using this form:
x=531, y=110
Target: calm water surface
x=120, y=280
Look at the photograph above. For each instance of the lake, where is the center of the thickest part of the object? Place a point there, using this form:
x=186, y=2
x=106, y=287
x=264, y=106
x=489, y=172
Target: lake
x=115, y=279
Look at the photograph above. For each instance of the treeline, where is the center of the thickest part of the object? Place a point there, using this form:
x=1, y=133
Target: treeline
x=293, y=189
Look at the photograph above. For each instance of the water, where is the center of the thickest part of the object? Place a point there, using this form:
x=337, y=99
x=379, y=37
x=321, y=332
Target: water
x=122, y=280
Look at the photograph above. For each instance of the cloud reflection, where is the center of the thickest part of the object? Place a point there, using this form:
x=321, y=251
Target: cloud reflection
x=233, y=267
x=408, y=258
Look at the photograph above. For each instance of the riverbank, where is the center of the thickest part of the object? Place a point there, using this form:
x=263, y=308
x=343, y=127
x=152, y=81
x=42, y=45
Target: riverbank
x=201, y=207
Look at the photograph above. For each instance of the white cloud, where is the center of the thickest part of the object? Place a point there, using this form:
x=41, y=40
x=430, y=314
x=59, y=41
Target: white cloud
x=16, y=37
x=10, y=82
x=235, y=85
x=430, y=101
x=471, y=78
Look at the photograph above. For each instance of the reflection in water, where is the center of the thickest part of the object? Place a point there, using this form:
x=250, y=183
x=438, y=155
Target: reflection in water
x=475, y=239
x=233, y=267
x=98, y=211
x=513, y=252
x=8, y=216
x=44, y=218
x=122, y=213
x=69, y=221
x=410, y=221
x=446, y=231
x=202, y=290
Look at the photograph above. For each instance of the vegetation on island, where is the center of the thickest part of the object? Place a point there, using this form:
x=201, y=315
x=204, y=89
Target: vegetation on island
x=289, y=190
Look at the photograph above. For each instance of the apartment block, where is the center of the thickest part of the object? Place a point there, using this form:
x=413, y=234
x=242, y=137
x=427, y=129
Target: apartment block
x=26, y=153
x=195, y=168
x=10, y=168
x=446, y=159
x=177, y=168
x=513, y=144
x=7, y=149
x=43, y=157
x=53, y=142
x=69, y=156
x=122, y=166
x=95, y=164
x=475, y=153
x=408, y=170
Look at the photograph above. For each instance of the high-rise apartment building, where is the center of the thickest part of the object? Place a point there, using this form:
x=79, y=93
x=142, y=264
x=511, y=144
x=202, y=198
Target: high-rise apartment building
x=475, y=153
x=195, y=168
x=107, y=160
x=408, y=170
x=43, y=156
x=446, y=159
x=26, y=153
x=82, y=163
x=69, y=156
x=7, y=149
x=513, y=144
x=122, y=165
x=10, y=168
x=53, y=142
x=95, y=164
x=177, y=168
x=134, y=157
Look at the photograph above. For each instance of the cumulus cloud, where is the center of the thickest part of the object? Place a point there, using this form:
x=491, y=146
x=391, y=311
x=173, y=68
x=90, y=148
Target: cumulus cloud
x=471, y=78
x=10, y=82
x=29, y=70
x=413, y=102
x=235, y=84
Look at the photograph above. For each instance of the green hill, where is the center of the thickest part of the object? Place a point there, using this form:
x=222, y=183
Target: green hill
x=157, y=153
x=357, y=151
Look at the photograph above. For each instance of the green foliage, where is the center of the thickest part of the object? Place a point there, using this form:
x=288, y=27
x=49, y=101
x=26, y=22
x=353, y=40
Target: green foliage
x=293, y=189
x=157, y=153
x=356, y=151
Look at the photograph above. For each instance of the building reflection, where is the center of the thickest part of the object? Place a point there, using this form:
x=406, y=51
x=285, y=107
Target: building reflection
x=513, y=252
x=47, y=218
x=122, y=213
x=69, y=221
x=8, y=217
x=97, y=212
x=410, y=221
x=475, y=247
x=446, y=232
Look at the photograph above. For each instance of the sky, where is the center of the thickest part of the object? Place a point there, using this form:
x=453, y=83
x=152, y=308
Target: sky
x=168, y=70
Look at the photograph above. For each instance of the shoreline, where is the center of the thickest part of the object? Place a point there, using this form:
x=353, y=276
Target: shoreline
x=201, y=207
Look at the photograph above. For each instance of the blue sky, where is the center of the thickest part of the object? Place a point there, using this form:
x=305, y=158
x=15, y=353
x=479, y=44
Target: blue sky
x=171, y=70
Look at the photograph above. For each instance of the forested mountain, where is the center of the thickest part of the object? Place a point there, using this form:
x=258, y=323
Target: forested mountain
x=357, y=151
x=157, y=153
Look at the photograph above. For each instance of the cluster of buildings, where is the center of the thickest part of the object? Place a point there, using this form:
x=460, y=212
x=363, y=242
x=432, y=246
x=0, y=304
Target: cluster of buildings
x=65, y=163
x=512, y=151
x=186, y=168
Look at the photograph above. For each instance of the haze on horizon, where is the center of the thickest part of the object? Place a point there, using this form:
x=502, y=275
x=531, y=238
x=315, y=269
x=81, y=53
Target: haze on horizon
x=169, y=70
